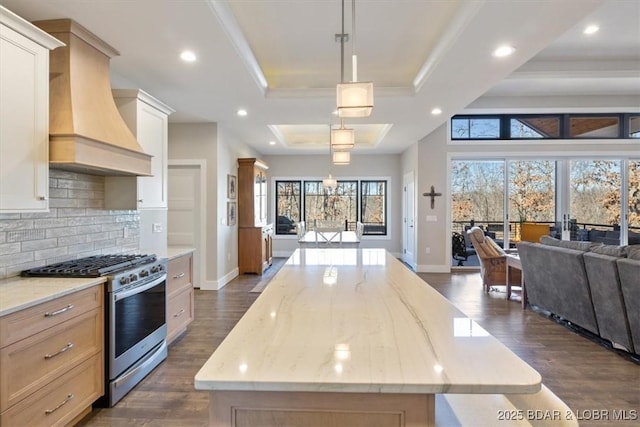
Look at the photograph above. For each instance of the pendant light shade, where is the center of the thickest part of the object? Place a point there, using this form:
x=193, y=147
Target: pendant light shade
x=342, y=139
x=354, y=99
x=341, y=157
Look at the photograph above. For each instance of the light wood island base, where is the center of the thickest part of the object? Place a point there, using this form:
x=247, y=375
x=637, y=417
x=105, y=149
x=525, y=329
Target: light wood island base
x=312, y=409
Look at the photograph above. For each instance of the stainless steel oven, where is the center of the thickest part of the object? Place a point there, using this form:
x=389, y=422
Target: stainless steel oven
x=136, y=331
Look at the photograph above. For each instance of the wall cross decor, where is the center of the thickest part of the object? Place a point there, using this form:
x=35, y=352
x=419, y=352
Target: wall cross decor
x=433, y=196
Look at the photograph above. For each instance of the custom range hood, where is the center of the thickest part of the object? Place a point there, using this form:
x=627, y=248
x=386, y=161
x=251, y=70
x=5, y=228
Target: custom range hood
x=86, y=132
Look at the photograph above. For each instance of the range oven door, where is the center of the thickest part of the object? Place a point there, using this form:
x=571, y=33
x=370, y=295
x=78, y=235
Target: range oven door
x=137, y=323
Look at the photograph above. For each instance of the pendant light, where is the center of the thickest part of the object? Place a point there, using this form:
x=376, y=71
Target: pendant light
x=341, y=157
x=354, y=99
x=342, y=138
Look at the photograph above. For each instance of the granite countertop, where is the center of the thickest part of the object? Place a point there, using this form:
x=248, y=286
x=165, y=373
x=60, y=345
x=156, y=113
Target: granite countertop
x=17, y=293
x=357, y=320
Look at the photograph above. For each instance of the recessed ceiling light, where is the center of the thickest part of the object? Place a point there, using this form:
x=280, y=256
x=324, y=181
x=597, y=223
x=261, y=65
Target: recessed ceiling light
x=272, y=143
x=436, y=111
x=188, y=56
x=503, y=51
x=242, y=112
x=591, y=29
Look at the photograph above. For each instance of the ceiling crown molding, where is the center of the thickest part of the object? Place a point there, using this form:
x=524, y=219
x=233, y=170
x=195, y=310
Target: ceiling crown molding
x=228, y=21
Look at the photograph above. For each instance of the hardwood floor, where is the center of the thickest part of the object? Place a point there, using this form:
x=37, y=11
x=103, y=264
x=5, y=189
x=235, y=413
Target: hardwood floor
x=588, y=377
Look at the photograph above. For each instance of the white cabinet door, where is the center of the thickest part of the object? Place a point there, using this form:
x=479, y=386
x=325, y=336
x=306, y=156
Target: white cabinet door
x=148, y=120
x=24, y=118
x=152, y=136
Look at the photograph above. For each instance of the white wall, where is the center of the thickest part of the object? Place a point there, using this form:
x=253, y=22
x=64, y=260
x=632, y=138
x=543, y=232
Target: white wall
x=362, y=166
x=230, y=149
x=220, y=150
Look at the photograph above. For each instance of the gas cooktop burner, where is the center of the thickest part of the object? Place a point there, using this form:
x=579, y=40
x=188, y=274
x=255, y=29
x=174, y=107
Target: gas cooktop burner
x=93, y=266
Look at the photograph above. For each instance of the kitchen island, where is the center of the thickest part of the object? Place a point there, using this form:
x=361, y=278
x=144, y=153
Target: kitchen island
x=352, y=337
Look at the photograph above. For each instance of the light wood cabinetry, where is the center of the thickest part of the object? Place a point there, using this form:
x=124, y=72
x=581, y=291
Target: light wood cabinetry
x=148, y=120
x=255, y=252
x=52, y=360
x=180, y=305
x=24, y=112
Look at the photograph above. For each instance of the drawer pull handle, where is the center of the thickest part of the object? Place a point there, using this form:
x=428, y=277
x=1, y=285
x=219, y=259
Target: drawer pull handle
x=69, y=346
x=55, y=313
x=64, y=402
x=177, y=276
x=180, y=313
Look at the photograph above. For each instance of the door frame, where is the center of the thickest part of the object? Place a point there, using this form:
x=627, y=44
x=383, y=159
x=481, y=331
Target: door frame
x=201, y=165
x=407, y=229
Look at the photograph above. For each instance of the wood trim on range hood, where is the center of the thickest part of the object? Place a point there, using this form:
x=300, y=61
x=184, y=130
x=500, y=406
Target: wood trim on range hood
x=86, y=132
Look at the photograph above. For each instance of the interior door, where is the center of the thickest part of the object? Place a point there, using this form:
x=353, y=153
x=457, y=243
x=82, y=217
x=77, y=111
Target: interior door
x=408, y=220
x=184, y=207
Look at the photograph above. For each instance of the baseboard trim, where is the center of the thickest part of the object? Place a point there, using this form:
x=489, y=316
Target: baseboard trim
x=433, y=268
x=215, y=285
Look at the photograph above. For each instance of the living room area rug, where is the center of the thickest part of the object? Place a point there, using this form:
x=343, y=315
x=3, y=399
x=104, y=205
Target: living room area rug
x=269, y=273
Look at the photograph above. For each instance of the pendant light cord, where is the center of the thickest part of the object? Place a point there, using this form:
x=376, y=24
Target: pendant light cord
x=354, y=58
x=342, y=47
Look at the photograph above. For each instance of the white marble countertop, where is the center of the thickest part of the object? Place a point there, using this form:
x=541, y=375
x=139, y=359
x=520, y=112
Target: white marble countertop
x=169, y=252
x=17, y=293
x=357, y=320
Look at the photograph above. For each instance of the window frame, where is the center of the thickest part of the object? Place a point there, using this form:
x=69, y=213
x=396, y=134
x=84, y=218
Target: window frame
x=564, y=126
x=302, y=181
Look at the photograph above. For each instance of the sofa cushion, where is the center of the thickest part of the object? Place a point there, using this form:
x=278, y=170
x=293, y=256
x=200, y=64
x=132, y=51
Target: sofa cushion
x=568, y=244
x=611, y=250
x=633, y=252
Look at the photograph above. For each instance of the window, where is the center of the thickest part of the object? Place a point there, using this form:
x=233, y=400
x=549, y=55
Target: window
x=532, y=127
x=349, y=202
x=373, y=214
x=475, y=127
x=330, y=206
x=594, y=127
x=288, y=206
x=545, y=126
x=634, y=127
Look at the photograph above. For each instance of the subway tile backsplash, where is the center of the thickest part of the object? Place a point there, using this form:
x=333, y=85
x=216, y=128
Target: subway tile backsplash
x=77, y=225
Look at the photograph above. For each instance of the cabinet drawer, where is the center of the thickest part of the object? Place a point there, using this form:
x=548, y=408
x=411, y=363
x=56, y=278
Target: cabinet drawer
x=180, y=313
x=65, y=398
x=30, y=321
x=179, y=273
x=33, y=362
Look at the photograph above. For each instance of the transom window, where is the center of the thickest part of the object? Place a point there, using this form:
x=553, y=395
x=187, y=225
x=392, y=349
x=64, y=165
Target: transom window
x=351, y=201
x=545, y=126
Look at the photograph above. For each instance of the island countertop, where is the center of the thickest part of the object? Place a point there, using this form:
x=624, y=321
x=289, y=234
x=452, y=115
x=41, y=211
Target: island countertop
x=358, y=320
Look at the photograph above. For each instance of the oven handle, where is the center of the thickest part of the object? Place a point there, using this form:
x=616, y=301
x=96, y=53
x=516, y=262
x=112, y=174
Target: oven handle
x=117, y=296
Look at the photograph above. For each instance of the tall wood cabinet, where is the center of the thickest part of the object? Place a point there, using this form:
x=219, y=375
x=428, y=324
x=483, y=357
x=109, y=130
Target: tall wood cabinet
x=24, y=114
x=255, y=250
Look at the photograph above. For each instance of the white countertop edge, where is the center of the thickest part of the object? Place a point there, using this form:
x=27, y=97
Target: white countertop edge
x=333, y=387
x=52, y=289
x=178, y=251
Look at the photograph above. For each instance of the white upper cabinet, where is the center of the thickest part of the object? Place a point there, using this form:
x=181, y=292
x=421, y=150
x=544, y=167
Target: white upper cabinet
x=148, y=119
x=24, y=114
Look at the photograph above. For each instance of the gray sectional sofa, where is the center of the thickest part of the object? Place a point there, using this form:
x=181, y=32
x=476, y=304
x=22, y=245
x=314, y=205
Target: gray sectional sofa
x=592, y=285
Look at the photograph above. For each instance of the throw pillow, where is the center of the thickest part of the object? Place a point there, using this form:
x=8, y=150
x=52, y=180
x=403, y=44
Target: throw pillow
x=611, y=250
x=633, y=252
x=569, y=244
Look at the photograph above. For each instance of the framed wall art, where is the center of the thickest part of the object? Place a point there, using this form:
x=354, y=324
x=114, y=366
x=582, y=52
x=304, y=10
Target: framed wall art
x=231, y=213
x=232, y=185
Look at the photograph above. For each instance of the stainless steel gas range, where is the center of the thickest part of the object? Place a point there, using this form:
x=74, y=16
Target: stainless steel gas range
x=135, y=314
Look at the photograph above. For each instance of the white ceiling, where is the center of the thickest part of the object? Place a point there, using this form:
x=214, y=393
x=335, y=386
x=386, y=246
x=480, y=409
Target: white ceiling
x=279, y=60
